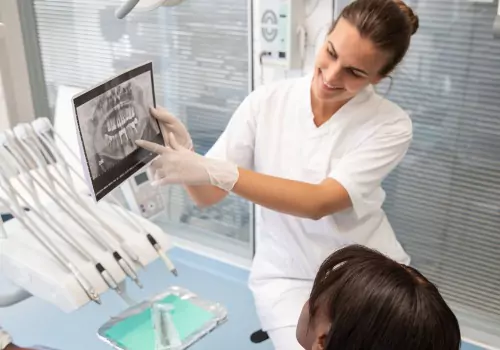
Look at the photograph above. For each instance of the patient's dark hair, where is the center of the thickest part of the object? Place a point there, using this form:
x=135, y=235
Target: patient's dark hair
x=375, y=303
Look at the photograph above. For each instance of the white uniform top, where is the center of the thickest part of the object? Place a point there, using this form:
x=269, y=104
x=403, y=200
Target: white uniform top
x=273, y=132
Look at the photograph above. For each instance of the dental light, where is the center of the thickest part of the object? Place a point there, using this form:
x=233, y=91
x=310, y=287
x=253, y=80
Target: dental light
x=143, y=6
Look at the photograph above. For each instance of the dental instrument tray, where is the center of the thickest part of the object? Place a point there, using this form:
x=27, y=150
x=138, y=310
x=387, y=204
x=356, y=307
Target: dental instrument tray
x=191, y=318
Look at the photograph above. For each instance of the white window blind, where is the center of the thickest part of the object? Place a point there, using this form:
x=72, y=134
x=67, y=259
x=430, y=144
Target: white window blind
x=444, y=199
x=200, y=59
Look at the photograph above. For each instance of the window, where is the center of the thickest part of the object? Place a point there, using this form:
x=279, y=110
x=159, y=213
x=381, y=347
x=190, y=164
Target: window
x=200, y=57
x=444, y=199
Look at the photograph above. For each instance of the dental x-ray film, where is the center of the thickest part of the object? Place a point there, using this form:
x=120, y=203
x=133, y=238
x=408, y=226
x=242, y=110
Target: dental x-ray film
x=110, y=118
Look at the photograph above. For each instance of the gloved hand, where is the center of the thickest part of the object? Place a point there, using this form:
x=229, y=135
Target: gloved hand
x=178, y=165
x=171, y=124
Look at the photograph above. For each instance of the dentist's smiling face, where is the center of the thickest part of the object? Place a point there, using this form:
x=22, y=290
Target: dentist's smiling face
x=345, y=64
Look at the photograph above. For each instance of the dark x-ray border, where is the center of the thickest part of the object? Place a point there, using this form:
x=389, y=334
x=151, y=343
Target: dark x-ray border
x=128, y=166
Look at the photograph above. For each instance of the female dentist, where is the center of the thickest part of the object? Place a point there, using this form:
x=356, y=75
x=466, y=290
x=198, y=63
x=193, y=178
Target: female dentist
x=311, y=152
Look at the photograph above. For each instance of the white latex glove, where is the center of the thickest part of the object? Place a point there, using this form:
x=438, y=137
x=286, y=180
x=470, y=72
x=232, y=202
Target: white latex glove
x=178, y=165
x=171, y=124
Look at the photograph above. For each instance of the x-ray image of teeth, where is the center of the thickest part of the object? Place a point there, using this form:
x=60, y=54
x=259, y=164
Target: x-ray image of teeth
x=113, y=121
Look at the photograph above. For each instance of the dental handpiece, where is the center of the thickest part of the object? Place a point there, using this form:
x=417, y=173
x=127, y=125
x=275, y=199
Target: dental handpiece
x=27, y=130
x=58, y=256
x=50, y=223
x=16, y=157
x=43, y=126
x=124, y=265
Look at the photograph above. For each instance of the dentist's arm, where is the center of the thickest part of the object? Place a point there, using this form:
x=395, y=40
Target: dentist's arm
x=206, y=195
x=349, y=185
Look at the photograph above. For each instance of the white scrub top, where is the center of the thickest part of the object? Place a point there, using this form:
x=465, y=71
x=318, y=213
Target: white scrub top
x=273, y=132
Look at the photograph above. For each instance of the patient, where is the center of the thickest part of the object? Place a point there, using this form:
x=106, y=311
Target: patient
x=362, y=300
x=6, y=343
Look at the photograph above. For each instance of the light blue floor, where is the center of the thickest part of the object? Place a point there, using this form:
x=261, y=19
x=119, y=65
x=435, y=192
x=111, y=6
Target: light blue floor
x=36, y=322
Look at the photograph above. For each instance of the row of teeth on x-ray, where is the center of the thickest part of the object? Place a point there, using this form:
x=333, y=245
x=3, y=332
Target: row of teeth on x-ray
x=123, y=118
x=123, y=128
x=127, y=134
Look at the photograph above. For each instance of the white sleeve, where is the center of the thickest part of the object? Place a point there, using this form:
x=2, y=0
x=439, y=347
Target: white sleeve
x=5, y=339
x=362, y=171
x=237, y=142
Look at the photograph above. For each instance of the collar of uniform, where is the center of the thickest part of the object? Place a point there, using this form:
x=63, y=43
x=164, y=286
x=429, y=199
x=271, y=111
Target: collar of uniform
x=344, y=114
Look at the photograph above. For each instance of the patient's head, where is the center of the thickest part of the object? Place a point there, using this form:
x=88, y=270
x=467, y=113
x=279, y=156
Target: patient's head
x=363, y=300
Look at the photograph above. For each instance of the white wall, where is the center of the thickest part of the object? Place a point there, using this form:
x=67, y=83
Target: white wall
x=316, y=25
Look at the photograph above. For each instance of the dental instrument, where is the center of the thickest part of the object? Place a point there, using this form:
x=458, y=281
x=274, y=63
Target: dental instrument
x=125, y=266
x=60, y=257
x=24, y=132
x=51, y=223
x=56, y=253
x=43, y=127
x=177, y=316
x=27, y=264
x=70, y=240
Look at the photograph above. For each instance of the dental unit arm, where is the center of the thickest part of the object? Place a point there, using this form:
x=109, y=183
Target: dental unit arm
x=143, y=5
x=42, y=242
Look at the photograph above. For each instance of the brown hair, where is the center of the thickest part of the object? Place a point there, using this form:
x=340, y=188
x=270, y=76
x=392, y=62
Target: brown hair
x=375, y=303
x=389, y=24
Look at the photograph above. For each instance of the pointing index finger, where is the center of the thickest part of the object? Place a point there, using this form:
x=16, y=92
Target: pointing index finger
x=151, y=146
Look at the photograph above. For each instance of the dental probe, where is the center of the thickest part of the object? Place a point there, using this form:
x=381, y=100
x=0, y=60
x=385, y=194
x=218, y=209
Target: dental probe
x=43, y=126
x=59, y=256
x=23, y=133
x=124, y=265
